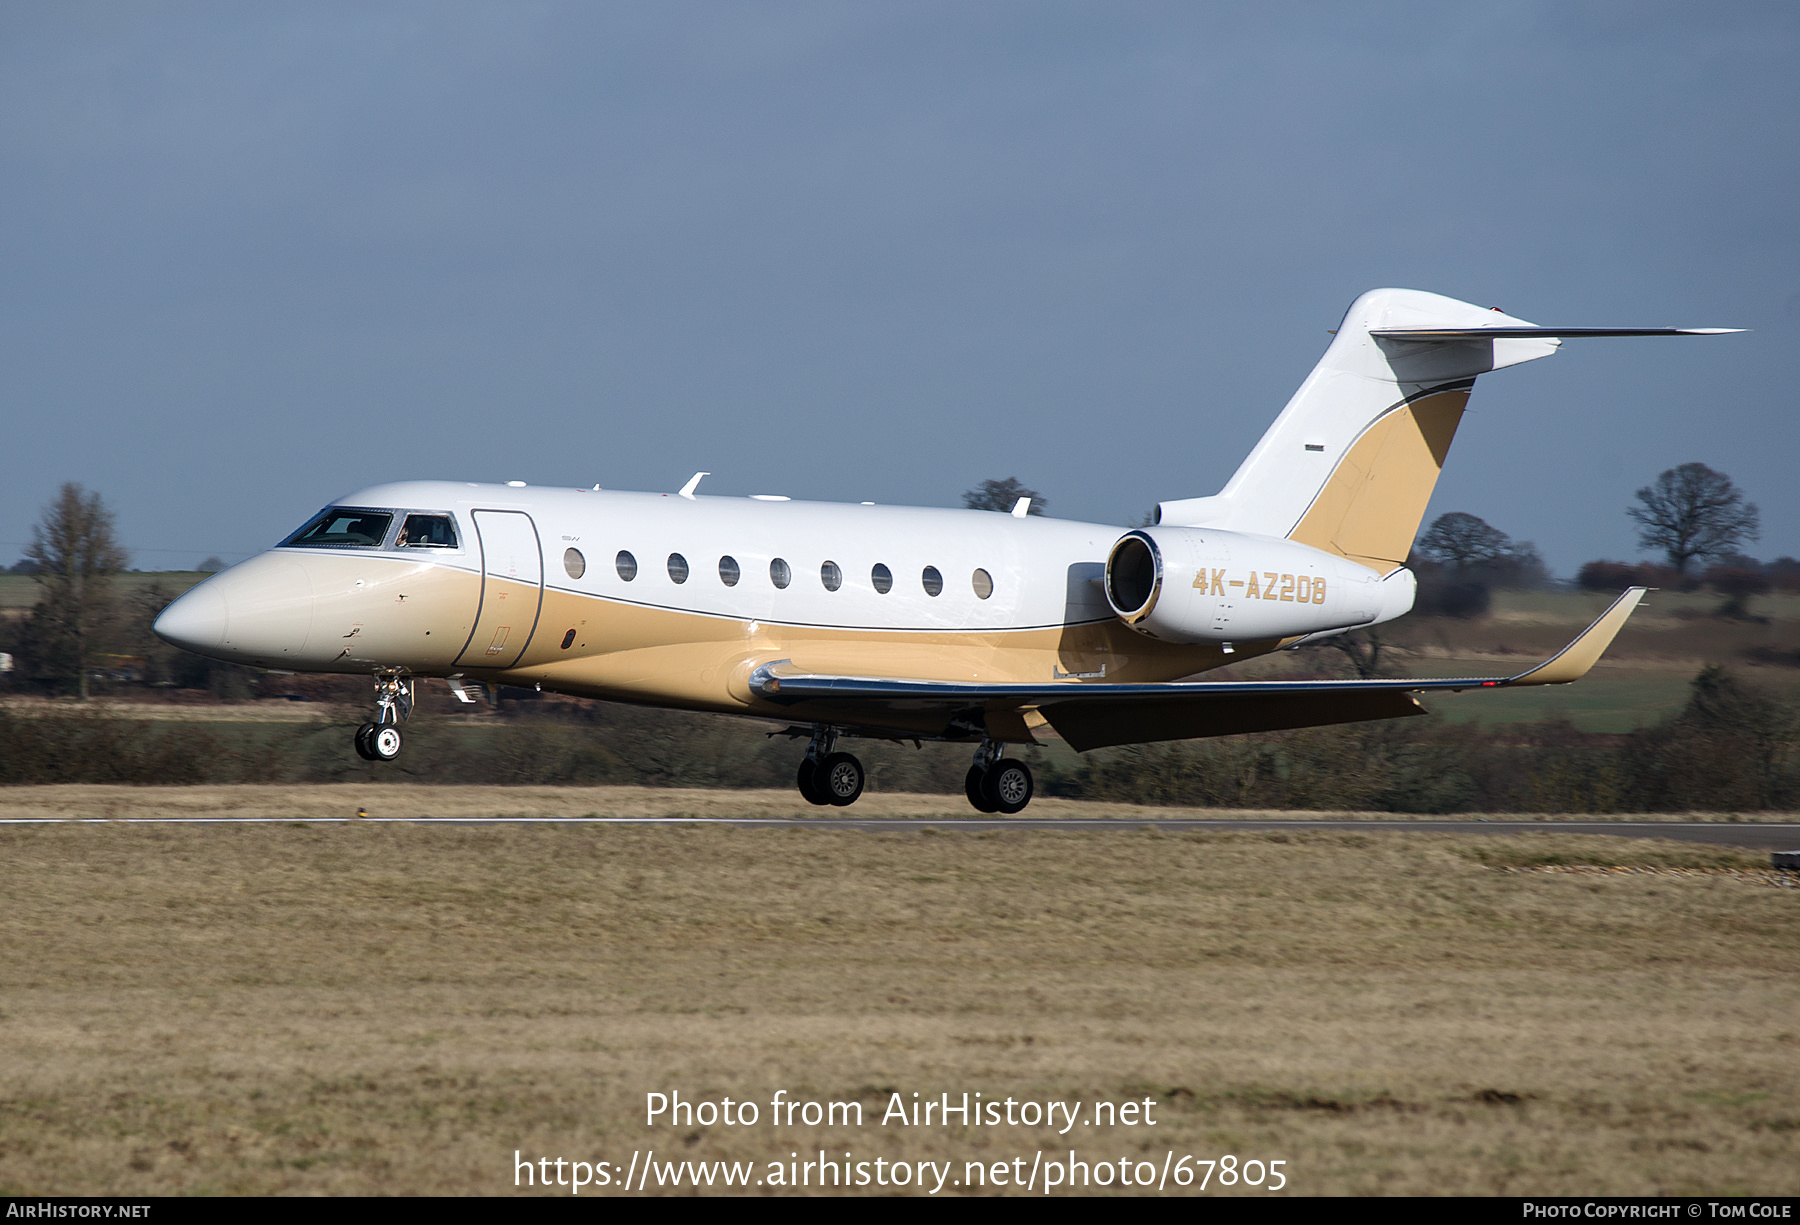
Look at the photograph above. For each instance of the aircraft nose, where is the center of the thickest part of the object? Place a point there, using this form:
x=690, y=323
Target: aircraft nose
x=194, y=622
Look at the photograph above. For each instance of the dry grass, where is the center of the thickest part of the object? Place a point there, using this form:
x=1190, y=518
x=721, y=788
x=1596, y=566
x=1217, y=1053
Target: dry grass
x=398, y=1008
x=89, y=801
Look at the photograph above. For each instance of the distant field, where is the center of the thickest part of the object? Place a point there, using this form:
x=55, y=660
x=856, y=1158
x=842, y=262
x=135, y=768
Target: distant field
x=362, y=1009
x=20, y=591
x=1643, y=678
x=1612, y=698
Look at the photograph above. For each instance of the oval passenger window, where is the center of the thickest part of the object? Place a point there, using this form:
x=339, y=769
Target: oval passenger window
x=779, y=574
x=983, y=582
x=678, y=570
x=627, y=565
x=728, y=571
x=934, y=582
x=882, y=577
x=574, y=563
x=831, y=576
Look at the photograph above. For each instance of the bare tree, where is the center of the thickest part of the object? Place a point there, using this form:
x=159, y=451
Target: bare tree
x=1003, y=495
x=1693, y=511
x=1365, y=651
x=1461, y=541
x=77, y=557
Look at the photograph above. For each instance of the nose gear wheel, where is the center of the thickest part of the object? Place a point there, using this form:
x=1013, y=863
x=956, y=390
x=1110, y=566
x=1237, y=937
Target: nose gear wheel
x=394, y=697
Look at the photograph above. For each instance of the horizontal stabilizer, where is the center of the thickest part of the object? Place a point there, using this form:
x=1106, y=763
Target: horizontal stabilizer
x=1534, y=333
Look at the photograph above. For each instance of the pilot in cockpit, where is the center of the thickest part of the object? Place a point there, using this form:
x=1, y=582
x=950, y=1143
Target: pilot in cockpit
x=426, y=531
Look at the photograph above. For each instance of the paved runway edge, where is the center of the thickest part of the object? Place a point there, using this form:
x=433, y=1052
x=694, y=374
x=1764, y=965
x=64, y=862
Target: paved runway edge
x=1754, y=835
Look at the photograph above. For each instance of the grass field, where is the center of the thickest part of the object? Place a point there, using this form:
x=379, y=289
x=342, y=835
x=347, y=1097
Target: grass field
x=398, y=1009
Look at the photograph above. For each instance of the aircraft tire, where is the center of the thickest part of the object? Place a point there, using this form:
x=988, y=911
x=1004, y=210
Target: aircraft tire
x=1008, y=786
x=841, y=779
x=384, y=743
x=362, y=742
x=972, y=788
x=806, y=780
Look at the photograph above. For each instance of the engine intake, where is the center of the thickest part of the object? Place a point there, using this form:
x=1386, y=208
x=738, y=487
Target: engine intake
x=1183, y=584
x=1133, y=577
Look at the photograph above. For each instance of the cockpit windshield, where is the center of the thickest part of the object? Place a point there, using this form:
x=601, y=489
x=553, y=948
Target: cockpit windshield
x=426, y=532
x=342, y=527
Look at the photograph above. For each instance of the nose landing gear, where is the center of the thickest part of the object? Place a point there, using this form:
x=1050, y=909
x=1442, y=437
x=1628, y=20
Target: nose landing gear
x=381, y=740
x=826, y=777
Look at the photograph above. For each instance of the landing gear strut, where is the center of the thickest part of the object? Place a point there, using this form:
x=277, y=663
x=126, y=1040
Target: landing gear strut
x=381, y=740
x=826, y=777
x=995, y=783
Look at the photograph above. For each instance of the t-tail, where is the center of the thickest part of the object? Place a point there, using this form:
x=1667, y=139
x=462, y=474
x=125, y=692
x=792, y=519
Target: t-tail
x=1349, y=465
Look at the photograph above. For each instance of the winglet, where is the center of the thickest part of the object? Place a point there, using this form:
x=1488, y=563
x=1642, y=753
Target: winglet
x=1573, y=661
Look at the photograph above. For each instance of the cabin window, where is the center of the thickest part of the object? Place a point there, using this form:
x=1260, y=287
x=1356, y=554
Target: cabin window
x=728, y=571
x=933, y=581
x=678, y=568
x=626, y=565
x=983, y=582
x=831, y=576
x=882, y=577
x=574, y=563
x=779, y=574
x=341, y=528
x=426, y=532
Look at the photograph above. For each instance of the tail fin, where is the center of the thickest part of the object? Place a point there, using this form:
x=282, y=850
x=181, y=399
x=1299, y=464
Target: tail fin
x=1350, y=463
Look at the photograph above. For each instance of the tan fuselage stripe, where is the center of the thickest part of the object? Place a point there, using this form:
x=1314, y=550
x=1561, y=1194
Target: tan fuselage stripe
x=626, y=652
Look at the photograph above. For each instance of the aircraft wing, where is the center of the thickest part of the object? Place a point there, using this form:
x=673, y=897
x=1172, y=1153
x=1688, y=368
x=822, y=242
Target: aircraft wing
x=1093, y=715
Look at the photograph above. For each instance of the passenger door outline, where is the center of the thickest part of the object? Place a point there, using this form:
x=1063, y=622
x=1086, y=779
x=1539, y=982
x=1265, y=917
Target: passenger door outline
x=512, y=561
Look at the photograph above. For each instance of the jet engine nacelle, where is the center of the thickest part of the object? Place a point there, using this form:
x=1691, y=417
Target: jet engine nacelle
x=1188, y=584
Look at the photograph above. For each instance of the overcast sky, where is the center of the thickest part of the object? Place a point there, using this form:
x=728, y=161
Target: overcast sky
x=253, y=257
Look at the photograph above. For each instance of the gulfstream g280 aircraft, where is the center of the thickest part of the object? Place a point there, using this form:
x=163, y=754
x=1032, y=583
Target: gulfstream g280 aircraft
x=916, y=624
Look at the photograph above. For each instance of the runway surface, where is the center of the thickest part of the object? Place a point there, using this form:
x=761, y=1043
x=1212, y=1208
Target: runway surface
x=1753, y=835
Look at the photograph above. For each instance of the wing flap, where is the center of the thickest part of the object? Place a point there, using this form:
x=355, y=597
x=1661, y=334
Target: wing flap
x=1097, y=725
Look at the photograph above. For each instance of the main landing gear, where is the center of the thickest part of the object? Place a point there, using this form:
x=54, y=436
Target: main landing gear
x=997, y=784
x=381, y=740
x=826, y=777
x=993, y=784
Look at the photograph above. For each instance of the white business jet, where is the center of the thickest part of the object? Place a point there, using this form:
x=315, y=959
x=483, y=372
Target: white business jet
x=905, y=623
